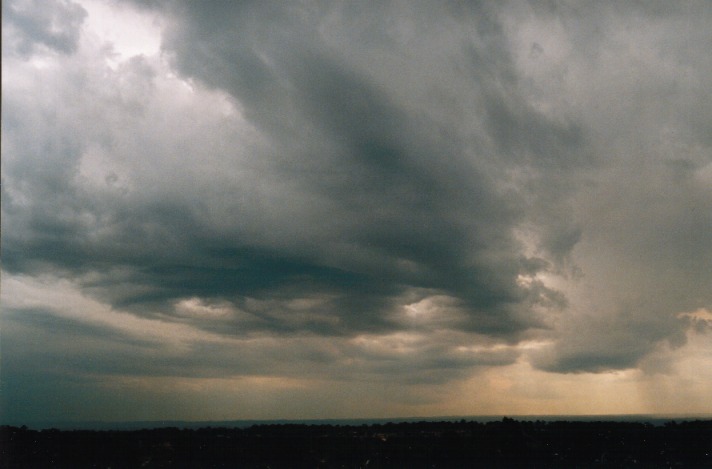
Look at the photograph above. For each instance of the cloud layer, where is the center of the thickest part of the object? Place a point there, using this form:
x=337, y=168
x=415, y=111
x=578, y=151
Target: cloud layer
x=324, y=192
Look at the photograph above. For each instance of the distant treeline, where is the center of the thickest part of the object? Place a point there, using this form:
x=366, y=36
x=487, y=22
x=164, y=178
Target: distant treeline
x=505, y=443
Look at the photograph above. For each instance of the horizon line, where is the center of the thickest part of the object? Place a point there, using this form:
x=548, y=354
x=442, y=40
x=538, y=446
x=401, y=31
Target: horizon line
x=246, y=422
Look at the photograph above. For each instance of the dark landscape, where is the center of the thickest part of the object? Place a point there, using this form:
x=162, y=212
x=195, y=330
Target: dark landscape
x=504, y=443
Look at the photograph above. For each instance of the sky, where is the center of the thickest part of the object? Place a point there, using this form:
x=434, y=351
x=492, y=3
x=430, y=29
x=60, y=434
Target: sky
x=304, y=210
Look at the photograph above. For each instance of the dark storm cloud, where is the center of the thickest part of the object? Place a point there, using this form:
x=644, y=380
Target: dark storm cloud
x=405, y=201
x=612, y=340
x=369, y=159
x=411, y=190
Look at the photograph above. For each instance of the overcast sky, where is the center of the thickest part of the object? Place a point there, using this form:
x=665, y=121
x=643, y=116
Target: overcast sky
x=230, y=210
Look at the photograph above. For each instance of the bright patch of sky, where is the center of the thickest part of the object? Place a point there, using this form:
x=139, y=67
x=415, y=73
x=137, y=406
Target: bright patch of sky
x=129, y=31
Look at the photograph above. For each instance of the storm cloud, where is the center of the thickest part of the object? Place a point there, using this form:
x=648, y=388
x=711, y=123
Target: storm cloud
x=348, y=194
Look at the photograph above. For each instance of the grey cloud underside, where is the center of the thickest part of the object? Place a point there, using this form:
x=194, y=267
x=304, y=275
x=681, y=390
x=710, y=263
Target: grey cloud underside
x=398, y=155
x=399, y=200
x=100, y=350
x=54, y=25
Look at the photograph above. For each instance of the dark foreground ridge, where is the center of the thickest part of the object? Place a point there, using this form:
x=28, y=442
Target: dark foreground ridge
x=505, y=443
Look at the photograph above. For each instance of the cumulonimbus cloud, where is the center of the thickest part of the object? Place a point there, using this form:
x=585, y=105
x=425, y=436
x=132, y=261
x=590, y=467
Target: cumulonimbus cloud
x=382, y=179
